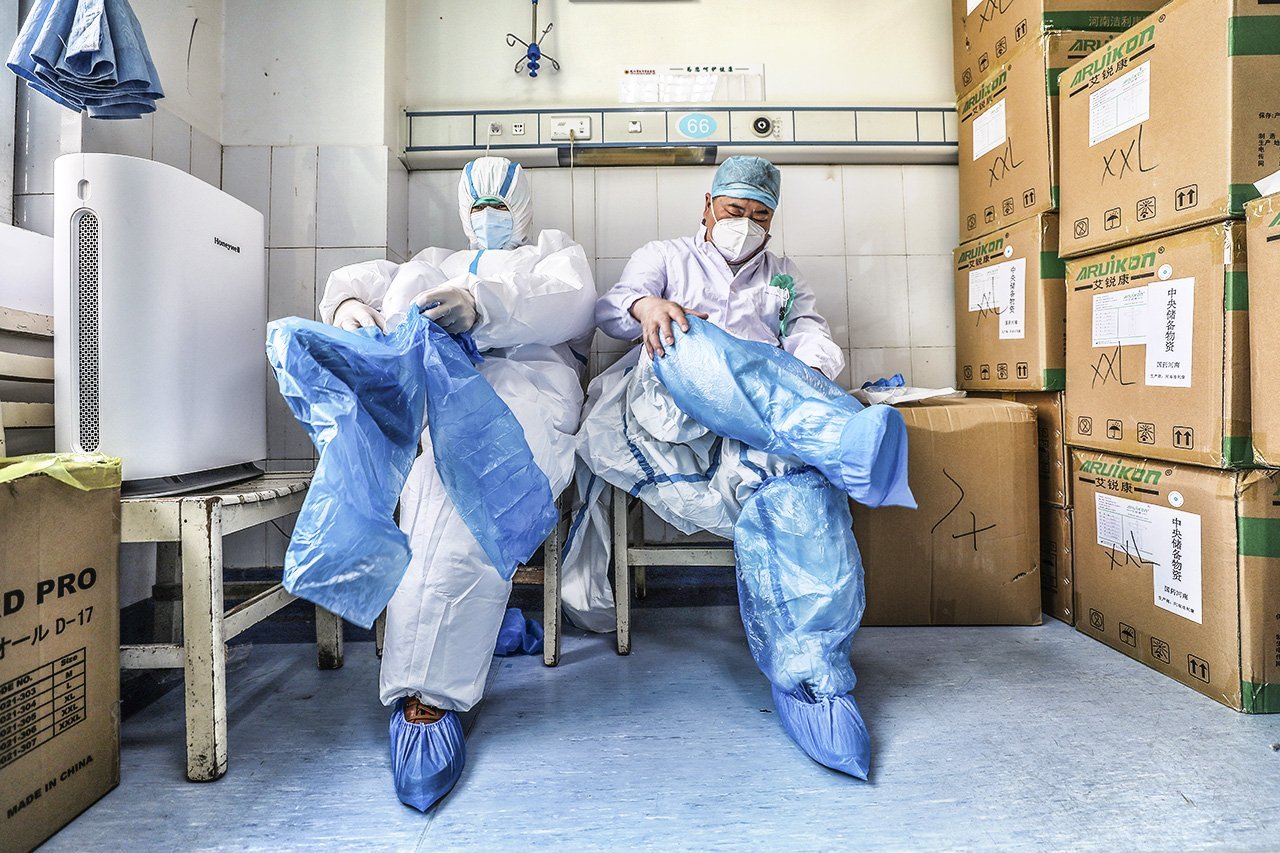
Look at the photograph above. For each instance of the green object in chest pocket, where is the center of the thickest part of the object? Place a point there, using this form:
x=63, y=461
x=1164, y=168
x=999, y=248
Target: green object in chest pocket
x=787, y=283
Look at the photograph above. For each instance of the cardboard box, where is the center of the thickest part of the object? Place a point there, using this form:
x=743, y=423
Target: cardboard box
x=1057, y=565
x=1179, y=567
x=970, y=554
x=1169, y=125
x=1011, y=322
x=59, y=641
x=1157, y=349
x=1054, y=461
x=1264, y=326
x=1009, y=136
x=986, y=31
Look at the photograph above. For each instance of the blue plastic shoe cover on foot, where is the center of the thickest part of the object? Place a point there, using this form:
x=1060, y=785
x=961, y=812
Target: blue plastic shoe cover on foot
x=518, y=635
x=829, y=730
x=362, y=398
x=768, y=399
x=426, y=758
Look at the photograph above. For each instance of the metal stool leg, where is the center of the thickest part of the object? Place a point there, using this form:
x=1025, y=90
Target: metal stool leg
x=206, y=652
x=621, y=572
x=168, y=620
x=328, y=639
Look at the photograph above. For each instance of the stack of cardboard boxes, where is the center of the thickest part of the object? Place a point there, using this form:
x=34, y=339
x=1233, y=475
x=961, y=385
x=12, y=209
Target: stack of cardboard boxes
x=1010, y=296
x=1163, y=131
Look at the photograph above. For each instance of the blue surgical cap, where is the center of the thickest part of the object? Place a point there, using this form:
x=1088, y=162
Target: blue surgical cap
x=748, y=177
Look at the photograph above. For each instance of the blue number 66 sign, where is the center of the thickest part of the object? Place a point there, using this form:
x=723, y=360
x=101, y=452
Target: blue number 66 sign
x=696, y=126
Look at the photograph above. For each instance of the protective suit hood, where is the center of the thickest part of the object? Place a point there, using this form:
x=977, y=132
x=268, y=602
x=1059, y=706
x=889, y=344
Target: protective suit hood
x=496, y=177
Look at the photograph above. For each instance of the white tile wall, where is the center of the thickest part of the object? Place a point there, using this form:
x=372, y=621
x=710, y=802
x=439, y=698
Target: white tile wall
x=874, y=242
x=812, y=202
x=38, y=130
x=293, y=197
x=626, y=210
x=131, y=137
x=34, y=213
x=397, y=207
x=351, y=196
x=206, y=158
x=246, y=174
x=875, y=218
x=170, y=140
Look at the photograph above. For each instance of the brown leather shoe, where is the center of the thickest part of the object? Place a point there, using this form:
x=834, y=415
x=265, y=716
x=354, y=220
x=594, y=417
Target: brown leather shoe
x=417, y=712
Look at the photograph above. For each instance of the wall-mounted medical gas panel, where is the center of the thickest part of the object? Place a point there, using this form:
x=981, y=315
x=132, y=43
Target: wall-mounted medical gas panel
x=688, y=135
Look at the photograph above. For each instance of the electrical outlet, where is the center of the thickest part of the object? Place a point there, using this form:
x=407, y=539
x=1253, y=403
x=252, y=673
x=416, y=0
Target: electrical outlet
x=495, y=129
x=517, y=128
x=561, y=126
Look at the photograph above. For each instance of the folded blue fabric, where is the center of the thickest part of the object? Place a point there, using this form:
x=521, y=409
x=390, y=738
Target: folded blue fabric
x=87, y=55
x=362, y=398
x=768, y=399
x=426, y=758
x=518, y=635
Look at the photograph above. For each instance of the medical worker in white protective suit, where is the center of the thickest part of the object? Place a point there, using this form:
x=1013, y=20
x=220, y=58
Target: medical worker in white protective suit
x=528, y=305
x=636, y=438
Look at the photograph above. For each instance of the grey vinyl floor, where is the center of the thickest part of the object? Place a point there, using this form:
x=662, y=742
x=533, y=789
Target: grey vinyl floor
x=984, y=738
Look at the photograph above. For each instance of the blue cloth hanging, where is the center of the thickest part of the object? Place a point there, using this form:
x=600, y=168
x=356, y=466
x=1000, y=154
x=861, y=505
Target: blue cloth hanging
x=362, y=397
x=87, y=55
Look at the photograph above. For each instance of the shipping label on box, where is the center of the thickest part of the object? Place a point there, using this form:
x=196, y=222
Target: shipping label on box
x=59, y=641
x=1263, y=225
x=1011, y=309
x=1008, y=136
x=1179, y=567
x=986, y=31
x=970, y=554
x=1199, y=70
x=1157, y=349
x=1056, y=564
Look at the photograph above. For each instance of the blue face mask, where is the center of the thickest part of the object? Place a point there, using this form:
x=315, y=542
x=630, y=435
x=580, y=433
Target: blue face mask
x=492, y=227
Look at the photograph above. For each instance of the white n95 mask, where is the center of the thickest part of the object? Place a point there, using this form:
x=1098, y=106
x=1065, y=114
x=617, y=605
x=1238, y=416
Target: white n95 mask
x=736, y=238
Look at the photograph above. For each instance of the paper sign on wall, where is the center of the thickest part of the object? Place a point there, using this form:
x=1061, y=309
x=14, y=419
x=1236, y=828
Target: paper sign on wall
x=691, y=84
x=1120, y=105
x=1167, y=540
x=1120, y=318
x=989, y=130
x=1169, y=309
x=1001, y=289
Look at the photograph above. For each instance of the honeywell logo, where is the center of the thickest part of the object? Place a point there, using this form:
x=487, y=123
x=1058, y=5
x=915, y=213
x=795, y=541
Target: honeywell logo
x=225, y=245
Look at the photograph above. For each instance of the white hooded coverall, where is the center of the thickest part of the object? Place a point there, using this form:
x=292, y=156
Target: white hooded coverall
x=532, y=301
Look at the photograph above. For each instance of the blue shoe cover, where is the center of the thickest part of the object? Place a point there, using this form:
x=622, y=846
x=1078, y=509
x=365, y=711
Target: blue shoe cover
x=830, y=730
x=518, y=635
x=426, y=758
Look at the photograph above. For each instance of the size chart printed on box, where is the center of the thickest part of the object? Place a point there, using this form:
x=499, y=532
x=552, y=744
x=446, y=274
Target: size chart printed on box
x=39, y=705
x=1001, y=289
x=1120, y=105
x=1166, y=540
x=1157, y=316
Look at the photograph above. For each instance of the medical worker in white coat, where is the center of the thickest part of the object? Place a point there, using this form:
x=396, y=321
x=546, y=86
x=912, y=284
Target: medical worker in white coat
x=529, y=306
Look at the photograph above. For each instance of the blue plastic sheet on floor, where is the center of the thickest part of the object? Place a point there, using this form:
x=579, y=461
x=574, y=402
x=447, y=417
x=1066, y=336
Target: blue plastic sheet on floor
x=801, y=592
x=362, y=398
x=768, y=399
x=518, y=635
x=426, y=758
x=87, y=55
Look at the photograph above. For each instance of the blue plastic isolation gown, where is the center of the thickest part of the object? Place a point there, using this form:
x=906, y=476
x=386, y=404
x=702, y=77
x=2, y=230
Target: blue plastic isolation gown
x=768, y=399
x=87, y=55
x=800, y=576
x=362, y=398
